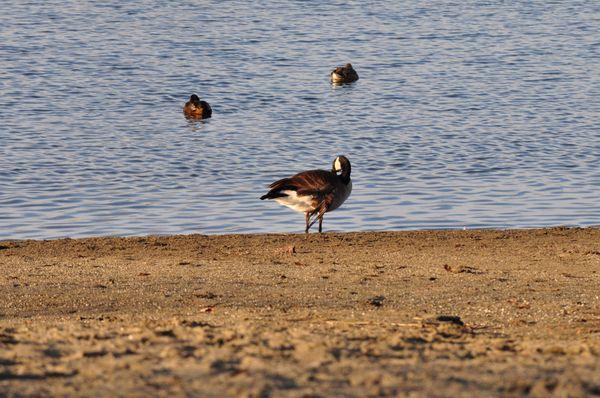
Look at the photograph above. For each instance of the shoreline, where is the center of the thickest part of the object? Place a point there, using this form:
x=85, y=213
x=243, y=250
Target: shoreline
x=424, y=312
x=298, y=232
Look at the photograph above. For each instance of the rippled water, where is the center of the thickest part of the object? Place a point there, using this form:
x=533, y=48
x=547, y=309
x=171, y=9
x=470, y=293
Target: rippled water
x=465, y=115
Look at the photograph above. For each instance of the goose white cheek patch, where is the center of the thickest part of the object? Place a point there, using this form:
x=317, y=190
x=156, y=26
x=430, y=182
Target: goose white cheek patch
x=337, y=164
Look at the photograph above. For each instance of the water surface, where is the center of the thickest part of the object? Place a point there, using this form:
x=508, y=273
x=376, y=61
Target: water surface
x=465, y=115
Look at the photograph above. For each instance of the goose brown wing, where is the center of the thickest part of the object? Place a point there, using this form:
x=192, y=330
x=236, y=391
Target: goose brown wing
x=314, y=182
x=318, y=183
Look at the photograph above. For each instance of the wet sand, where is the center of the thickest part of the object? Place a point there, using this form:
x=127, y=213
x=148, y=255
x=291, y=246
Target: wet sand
x=427, y=313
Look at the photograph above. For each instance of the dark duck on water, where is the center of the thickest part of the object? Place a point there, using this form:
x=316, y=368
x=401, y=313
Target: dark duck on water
x=197, y=109
x=344, y=74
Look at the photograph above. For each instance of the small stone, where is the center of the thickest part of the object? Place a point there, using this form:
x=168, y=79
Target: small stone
x=451, y=319
x=377, y=301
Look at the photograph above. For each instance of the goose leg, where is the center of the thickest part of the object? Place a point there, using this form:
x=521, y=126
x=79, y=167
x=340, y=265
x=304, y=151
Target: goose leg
x=319, y=216
x=307, y=217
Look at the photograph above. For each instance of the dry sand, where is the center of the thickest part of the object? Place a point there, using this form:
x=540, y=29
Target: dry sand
x=432, y=313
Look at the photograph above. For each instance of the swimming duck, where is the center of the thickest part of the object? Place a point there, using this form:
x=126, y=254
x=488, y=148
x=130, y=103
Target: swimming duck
x=196, y=109
x=314, y=192
x=344, y=74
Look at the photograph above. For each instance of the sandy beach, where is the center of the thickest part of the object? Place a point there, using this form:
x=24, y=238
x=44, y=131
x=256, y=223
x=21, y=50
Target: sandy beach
x=425, y=313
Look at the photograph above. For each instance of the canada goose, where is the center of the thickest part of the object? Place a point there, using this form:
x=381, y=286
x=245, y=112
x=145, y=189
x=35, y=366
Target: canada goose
x=196, y=109
x=314, y=192
x=344, y=74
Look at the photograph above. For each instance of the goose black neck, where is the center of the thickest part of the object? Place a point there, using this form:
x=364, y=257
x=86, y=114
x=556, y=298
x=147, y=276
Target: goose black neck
x=345, y=175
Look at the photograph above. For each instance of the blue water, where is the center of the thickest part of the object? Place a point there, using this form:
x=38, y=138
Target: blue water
x=466, y=114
